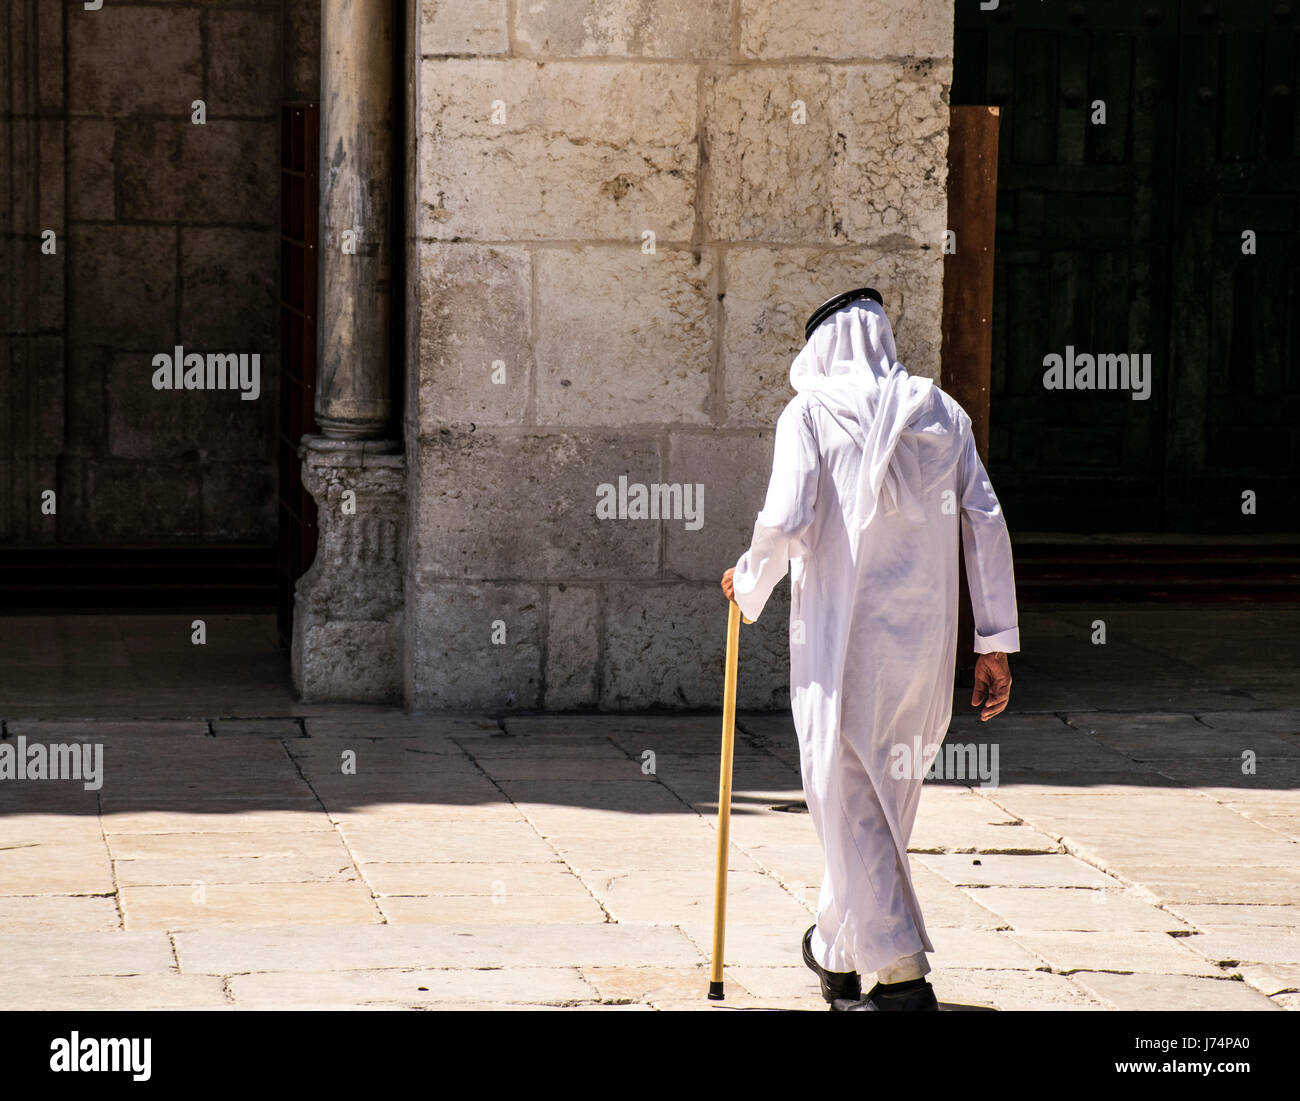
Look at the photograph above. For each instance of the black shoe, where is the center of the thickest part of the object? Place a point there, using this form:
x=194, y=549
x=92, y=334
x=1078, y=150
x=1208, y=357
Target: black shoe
x=835, y=984
x=903, y=997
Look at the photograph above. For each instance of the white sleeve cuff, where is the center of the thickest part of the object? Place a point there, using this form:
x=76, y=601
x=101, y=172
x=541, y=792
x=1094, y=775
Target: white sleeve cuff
x=1004, y=642
x=749, y=595
x=750, y=605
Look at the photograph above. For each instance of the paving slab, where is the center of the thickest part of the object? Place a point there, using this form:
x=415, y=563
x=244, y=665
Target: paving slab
x=415, y=756
x=228, y=951
x=615, y=766
x=800, y=864
x=696, y=852
x=1280, y=720
x=755, y=827
x=258, y=728
x=659, y=984
x=61, y=798
x=980, y=948
x=629, y=827
x=416, y=809
x=339, y=791
x=1285, y=823
x=235, y=870
x=254, y=754
x=737, y=1001
x=1223, y=779
x=85, y=993
x=1080, y=908
x=50, y=827
x=95, y=730
x=592, y=796
x=792, y=987
x=551, y=878
x=1162, y=736
x=412, y=988
x=1013, y=990
x=1221, y=883
x=747, y=765
x=694, y=729
x=1227, y=916
x=776, y=727
x=60, y=868
x=1135, y=952
x=509, y=748
x=945, y=905
x=1171, y=992
x=1252, y=945
x=378, y=841
x=1022, y=870
x=59, y=913
x=1115, y=832
x=336, y=721
x=466, y=911
x=197, y=905
x=1271, y=978
x=755, y=798
x=955, y=820
x=289, y=816
x=671, y=896
x=80, y=953
x=289, y=845
x=1075, y=756
x=751, y=945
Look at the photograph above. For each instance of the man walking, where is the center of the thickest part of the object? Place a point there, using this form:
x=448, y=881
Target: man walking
x=874, y=471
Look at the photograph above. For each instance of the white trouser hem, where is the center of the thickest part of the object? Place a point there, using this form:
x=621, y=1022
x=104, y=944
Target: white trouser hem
x=904, y=969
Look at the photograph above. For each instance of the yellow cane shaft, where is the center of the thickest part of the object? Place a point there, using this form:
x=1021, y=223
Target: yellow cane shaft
x=724, y=797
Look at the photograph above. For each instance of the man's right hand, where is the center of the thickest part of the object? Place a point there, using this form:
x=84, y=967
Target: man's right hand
x=992, y=685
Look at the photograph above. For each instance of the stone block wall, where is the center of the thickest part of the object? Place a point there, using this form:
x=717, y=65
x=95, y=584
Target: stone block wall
x=166, y=235
x=619, y=216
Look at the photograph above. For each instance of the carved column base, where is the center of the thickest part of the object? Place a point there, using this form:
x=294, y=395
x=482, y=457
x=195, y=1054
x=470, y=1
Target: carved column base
x=347, y=616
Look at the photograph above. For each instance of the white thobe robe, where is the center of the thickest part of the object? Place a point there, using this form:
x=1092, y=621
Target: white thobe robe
x=873, y=473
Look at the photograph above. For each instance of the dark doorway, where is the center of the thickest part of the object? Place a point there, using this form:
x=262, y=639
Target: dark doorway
x=1129, y=237
x=299, y=208
x=145, y=142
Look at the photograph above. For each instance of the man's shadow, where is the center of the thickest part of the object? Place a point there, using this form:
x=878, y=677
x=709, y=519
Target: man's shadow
x=944, y=1007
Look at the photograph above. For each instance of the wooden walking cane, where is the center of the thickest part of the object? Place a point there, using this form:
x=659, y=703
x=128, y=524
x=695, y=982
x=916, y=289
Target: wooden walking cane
x=724, y=798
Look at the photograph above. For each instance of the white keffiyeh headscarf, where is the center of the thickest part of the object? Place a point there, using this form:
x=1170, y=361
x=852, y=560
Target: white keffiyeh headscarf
x=849, y=366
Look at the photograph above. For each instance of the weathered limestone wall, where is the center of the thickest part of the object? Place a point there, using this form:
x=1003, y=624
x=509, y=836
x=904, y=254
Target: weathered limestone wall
x=778, y=151
x=166, y=235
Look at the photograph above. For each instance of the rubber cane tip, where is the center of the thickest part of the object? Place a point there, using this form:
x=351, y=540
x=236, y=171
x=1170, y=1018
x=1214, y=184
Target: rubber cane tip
x=715, y=992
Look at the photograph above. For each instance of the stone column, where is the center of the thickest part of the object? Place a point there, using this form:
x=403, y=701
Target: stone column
x=356, y=181
x=347, y=615
x=348, y=607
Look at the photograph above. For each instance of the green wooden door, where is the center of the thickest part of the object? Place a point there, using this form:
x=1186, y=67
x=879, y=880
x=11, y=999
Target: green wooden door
x=1124, y=237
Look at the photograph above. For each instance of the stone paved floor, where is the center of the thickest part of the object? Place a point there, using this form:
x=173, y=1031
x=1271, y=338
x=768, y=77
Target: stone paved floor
x=1124, y=860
